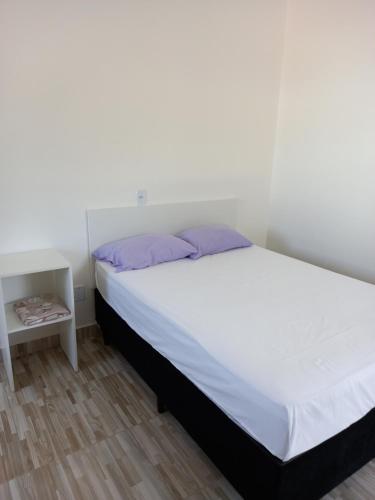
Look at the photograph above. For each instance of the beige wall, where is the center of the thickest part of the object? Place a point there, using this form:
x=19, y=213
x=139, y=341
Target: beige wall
x=100, y=98
x=323, y=189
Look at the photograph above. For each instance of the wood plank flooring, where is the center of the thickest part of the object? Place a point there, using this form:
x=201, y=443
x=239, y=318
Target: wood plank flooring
x=96, y=434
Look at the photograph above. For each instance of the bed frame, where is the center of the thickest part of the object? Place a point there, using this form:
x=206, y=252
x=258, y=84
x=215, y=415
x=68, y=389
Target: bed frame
x=253, y=470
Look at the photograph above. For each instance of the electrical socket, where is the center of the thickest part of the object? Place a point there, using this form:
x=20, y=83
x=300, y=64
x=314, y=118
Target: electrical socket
x=79, y=293
x=141, y=197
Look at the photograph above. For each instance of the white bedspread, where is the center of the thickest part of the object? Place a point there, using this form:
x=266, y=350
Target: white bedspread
x=285, y=348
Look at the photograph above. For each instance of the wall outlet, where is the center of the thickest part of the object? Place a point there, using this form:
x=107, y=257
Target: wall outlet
x=141, y=197
x=79, y=293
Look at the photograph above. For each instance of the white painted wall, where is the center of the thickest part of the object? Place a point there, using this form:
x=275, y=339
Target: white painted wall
x=323, y=188
x=99, y=98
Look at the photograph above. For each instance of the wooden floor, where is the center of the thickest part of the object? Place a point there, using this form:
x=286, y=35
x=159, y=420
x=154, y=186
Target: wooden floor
x=96, y=434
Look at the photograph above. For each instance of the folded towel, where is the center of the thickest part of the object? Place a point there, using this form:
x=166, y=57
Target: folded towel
x=35, y=310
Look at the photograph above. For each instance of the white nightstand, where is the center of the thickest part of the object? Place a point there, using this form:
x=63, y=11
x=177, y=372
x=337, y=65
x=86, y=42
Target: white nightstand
x=27, y=274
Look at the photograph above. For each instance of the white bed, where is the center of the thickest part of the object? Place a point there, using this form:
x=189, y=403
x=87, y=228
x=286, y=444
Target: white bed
x=285, y=348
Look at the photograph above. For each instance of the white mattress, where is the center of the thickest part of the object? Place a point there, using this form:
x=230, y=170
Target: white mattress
x=284, y=348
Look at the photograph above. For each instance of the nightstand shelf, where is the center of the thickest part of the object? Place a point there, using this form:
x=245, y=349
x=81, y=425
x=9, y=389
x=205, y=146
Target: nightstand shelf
x=29, y=274
x=14, y=324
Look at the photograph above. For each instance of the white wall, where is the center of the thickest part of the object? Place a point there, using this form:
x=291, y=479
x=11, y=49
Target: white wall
x=99, y=98
x=323, y=188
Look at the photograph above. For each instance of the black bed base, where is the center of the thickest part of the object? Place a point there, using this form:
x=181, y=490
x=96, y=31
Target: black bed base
x=253, y=471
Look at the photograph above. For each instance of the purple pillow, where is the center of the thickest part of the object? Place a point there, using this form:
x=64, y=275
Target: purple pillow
x=212, y=239
x=141, y=251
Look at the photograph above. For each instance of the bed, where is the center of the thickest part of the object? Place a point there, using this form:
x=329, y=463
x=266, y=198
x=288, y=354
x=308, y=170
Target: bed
x=268, y=362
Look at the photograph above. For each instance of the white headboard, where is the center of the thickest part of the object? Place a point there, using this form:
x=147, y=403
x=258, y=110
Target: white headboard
x=109, y=224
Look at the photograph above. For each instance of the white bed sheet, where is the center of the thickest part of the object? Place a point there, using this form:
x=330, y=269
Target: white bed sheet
x=284, y=348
